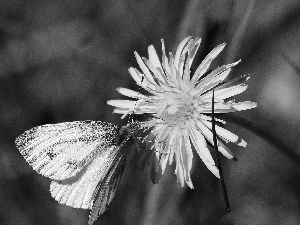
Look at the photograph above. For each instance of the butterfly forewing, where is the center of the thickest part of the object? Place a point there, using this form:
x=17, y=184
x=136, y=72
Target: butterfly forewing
x=60, y=151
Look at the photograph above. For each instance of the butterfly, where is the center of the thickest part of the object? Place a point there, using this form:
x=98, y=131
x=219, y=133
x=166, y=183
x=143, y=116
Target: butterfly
x=84, y=159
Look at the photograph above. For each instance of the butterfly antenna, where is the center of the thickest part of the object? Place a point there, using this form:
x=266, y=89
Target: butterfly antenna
x=131, y=116
x=225, y=195
x=131, y=110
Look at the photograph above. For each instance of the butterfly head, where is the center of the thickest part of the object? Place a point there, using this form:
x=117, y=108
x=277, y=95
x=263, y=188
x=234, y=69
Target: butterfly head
x=131, y=129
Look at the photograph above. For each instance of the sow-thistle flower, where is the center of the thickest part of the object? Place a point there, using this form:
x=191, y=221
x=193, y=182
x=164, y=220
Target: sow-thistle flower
x=180, y=105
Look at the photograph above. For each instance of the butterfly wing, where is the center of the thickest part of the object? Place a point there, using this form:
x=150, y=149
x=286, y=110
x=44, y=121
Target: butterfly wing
x=95, y=185
x=78, y=191
x=60, y=151
x=106, y=188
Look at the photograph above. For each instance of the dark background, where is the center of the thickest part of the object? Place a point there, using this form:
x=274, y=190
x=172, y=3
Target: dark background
x=61, y=60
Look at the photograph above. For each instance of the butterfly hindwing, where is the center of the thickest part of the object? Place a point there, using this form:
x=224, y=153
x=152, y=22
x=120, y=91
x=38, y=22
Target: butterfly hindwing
x=60, y=151
x=106, y=188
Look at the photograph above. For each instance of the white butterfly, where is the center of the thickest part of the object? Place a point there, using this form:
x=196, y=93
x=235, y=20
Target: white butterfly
x=85, y=160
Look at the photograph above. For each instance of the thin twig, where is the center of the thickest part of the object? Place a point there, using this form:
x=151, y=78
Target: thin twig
x=225, y=195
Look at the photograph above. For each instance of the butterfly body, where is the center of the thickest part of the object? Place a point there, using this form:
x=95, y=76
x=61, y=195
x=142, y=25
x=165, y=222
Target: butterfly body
x=85, y=160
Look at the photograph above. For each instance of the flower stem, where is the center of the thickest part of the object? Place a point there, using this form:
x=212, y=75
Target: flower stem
x=225, y=195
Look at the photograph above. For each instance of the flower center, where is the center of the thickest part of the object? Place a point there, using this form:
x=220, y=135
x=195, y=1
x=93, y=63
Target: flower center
x=178, y=112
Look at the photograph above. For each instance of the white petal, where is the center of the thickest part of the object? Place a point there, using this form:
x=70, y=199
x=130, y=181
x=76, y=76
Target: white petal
x=206, y=62
x=209, y=136
x=186, y=84
x=144, y=68
x=130, y=93
x=177, y=78
x=120, y=111
x=137, y=110
x=122, y=103
x=173, y=71
x=211, y=81
x=181, y=152
x=226, y=92
x=201, y=71
x=234, y=82
x=165, y=61
x=165, y=155
x=216, y=51
x=219, y=108
x=226, y=151
x=181, y=65
x=231, y=91
x=227, y=107
x=200, y=148
x=136, y=76
x=153, y=57
x=244, y=105
x=160, y=73
x=173, y=144
x=208, y=118
x=193, y=51
x=227, y=135
x=157, y=71
x=179, y=169
x=200, y=145
x=187, y=154
x=214, y=78
x=127, y=107
x=146, y=108
x=141, y=80
x=161, y=132
x=179, y=50
x=187, y=157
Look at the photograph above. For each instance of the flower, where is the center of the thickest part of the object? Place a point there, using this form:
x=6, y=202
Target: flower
x=181, y=104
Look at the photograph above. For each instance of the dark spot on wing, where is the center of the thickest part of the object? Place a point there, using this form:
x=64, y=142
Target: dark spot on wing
x=51, y=155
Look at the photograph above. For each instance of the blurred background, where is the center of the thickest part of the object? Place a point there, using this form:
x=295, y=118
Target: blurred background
x=61, y=60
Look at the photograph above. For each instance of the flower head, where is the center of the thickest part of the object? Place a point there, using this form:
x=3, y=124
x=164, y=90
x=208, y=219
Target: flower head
x=181, y=104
